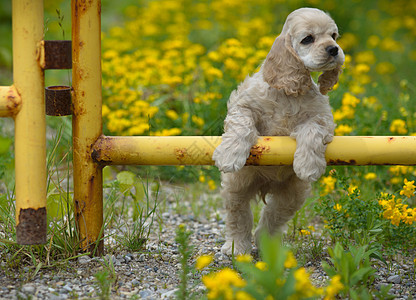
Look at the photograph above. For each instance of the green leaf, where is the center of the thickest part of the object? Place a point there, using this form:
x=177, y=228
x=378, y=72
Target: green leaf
x=56, y=206
x=5, y=144
x=126, y=180
x=361, y=275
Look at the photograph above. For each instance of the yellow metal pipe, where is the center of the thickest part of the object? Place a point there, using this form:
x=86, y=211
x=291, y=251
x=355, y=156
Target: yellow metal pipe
x=30, y=124
x=198, y=150
x=86, y=122
x=10, y=101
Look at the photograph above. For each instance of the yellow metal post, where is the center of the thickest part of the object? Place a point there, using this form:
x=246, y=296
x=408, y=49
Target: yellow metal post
x=273, y=150
x=86, y=123
x=30, y=124
x=10, y=101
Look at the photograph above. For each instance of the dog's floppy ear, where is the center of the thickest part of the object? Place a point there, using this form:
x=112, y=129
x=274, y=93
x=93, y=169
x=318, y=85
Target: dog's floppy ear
x=328, y=79
x=283, y=69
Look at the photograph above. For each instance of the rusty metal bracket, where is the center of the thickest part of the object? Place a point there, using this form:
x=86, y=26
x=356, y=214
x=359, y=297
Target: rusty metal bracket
x=56, y=55
x=58, y=100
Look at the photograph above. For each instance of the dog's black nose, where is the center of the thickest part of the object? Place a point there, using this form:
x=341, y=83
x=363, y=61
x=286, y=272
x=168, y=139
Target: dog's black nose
x=332, y=50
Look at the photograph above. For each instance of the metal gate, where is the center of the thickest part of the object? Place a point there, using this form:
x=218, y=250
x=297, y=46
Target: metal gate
x=24, y=102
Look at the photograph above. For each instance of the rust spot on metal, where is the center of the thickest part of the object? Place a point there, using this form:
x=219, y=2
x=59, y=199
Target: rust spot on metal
x=181, y=154
x=91, y=194
x=79, y=210
x=340, y=162
x=97, y=149
x=390, y=139
x=256, y=153
x=58, y=55
x=13, y=101
x=31, y=229
x=267, y=139
x=58, y=101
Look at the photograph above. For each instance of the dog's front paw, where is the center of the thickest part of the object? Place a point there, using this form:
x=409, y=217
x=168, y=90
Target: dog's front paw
x=309, y=168
x=228, y=160
x=240, y=247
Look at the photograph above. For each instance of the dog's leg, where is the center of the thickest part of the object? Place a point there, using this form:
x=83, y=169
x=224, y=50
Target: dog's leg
x=239, y=136
x=282, y=203
x=239, y=218
x=311, y=140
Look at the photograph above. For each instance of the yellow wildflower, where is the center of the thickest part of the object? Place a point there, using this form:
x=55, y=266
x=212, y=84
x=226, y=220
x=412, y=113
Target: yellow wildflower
x=220, y=284
x=370, y=176
x=373, y=41
x=398, y=126
x=350, y=100
x=365, y=57
x=303, y=285
x=244, y=258
x=261, y=265
x=304, y=232
x=328, y=184
x=334, y=287
x=198, y=121
x=338, y=207
x=343, y=130
x=241, y=295
x=171, y=114
x=290, y=261
x=388, y=44
x=352, y=189
x=408, y=188
x=212, y=185
x=384, y=68
x=203, y=261
x=213, y=73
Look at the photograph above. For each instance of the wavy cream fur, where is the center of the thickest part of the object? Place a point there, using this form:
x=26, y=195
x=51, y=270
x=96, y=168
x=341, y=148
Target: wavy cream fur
x=280, y=100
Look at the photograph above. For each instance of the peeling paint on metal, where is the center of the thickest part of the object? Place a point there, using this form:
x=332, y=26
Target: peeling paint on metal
x=256, y=153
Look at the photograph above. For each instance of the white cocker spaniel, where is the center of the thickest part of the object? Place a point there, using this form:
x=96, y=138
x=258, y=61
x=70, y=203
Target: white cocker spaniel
x=279, y=100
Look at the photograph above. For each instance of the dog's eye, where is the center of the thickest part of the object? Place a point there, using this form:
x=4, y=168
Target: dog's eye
x=308, y=40
x=334, y=36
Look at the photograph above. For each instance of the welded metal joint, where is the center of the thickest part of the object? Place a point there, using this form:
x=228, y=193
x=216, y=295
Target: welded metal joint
x=32, y=226
x=55, y=55
x=10, y=101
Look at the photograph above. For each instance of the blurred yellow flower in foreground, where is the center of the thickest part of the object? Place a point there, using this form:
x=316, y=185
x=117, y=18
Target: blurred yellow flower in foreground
x=203, y=261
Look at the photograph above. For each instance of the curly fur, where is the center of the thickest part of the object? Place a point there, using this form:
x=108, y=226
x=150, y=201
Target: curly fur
x=281, y=100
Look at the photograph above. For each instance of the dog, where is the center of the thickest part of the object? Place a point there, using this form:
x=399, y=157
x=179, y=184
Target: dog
x=281, y=99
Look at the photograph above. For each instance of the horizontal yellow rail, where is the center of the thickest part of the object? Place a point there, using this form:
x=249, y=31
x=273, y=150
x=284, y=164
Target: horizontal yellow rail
x=198, y=150
x=10, y=101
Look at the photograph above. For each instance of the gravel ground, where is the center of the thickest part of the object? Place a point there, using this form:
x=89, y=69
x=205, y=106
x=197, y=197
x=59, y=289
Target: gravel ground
x=153, y=274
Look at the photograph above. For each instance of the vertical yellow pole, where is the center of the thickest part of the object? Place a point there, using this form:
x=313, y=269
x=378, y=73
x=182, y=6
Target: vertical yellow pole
x=86, y=123
x=30, y=124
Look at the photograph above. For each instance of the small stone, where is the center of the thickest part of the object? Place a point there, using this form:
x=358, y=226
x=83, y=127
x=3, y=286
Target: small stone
x=67, y=288
x=84, y=259
x=141, y=258
x=219, y=256
x=168, y=294
x=135, y=282
x=394, y=279
x=28, y=288
x=145, y=293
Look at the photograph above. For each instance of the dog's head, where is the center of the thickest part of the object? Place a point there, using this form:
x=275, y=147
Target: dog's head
x=307, y=44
